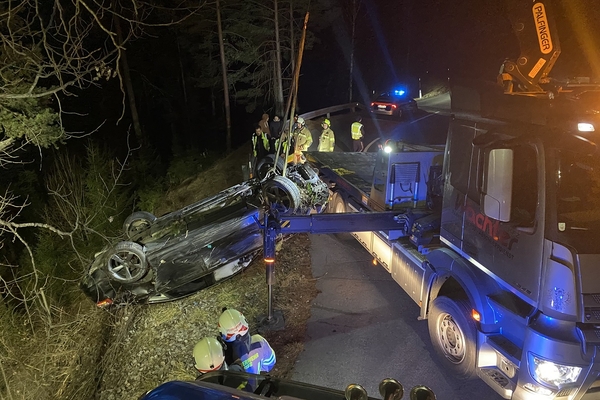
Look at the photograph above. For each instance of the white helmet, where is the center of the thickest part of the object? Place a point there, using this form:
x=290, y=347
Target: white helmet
x=208, y=355
x=232, y=325
x=301, y=121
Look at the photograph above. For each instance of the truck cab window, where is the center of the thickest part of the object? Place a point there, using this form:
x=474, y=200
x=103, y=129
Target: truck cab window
x=525, y=186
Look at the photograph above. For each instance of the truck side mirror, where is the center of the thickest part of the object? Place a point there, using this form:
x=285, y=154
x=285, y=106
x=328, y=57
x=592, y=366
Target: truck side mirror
x=497, y=193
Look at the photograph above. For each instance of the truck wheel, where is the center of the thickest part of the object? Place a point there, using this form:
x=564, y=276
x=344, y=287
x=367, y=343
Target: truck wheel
x=453, y=335
x=337, y=204
x=127, y=262
x=137, y=222
x=283, y=194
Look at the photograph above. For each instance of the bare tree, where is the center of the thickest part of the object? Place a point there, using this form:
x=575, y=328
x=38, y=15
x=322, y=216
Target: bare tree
x=51, y=50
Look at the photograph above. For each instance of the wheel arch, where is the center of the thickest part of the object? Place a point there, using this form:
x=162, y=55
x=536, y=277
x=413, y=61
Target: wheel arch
x=455, y=277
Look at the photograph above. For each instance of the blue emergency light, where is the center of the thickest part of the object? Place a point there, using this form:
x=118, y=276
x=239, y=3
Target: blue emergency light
x=399, y=92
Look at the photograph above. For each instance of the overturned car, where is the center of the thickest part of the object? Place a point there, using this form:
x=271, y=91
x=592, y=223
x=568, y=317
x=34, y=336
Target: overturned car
x=187, y=250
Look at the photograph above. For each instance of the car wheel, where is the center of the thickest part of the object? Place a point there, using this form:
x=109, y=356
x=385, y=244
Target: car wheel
x=337, y=204
x=137, y=222
x=282, y=194
x=453, y=335
x=127, y=263
x=265, y=164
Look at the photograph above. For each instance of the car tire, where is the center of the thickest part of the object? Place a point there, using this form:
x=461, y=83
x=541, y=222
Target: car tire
x=137, y=222
x=127, y=262
x=266, y=163
x=282, y=194
x=454, y=336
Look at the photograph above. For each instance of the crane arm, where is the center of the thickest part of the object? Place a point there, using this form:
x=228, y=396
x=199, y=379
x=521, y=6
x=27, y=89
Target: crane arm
x=535, y=29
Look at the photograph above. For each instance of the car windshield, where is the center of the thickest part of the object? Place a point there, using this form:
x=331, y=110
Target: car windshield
x=578, y=190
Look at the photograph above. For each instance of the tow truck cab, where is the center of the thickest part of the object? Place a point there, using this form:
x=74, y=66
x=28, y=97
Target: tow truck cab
x=521, y=203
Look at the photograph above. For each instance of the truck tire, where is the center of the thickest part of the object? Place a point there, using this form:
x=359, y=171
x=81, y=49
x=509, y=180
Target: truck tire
x=127, y=262
x=337, y=204
x=137, y=222
x=282, y=194
x=453, y=335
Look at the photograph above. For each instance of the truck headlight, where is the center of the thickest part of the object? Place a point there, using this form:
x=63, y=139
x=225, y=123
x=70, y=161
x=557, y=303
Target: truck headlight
x=550, y=373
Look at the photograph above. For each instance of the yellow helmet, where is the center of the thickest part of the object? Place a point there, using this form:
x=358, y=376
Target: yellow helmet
x=232, y=325
x=327, y=122
x=208, y=355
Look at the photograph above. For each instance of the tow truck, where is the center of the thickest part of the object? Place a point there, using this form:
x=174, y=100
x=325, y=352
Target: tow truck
x=494, y=236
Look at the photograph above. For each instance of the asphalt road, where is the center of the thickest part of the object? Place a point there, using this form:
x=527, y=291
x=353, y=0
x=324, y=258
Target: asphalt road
x=363, y=326
x=427, y=125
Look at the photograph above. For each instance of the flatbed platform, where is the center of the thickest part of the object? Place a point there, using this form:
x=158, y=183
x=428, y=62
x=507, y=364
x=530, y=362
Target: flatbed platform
x=355, y=168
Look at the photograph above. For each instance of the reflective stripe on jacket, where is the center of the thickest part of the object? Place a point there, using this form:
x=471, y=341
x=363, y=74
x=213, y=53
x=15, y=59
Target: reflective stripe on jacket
x=327, y=140
x=260, y=358
x=265, y=143
x=304, y=139
x=357, y=131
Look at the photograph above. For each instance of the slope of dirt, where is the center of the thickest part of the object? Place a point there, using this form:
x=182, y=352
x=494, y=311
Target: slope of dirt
x=152, y=344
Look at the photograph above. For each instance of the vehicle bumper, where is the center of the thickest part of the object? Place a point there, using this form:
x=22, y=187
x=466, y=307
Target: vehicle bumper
x=511, y=377
x=384, y=112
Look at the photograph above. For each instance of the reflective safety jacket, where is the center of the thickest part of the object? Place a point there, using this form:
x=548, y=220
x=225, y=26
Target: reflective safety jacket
x=303, y=139
x=260, y=148
x=327, y=140
x=260, y=357
x=357, y=131
x=284, y=145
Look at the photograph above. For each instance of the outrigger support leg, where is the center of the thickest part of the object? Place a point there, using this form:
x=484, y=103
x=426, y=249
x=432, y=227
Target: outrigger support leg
x=274, y=319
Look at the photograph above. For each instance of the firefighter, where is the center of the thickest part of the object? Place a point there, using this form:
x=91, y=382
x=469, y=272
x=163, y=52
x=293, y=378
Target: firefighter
x=209, y=356
x=253, y=352
x=327, y=138
x=358, y=132
x=302, y=135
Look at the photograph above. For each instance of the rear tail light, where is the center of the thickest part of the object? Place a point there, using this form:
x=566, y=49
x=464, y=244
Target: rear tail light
x=104, y=303
x=394, y=106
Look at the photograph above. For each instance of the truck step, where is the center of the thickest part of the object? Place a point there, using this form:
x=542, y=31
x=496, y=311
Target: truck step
x=497, y=381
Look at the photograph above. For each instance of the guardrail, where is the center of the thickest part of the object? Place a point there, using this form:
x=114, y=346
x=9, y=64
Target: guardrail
x=328, y=110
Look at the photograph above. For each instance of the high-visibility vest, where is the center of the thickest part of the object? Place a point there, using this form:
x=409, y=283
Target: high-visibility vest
x=284, y=145
x=356, y=131
x=265, y=142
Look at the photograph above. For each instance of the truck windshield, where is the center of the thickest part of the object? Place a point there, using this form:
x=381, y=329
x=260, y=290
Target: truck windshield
x=578, y=190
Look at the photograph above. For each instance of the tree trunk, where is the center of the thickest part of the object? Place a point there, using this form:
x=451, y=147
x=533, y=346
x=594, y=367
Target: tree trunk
x=224, y=73
x=278, y=80
x=292, y=40
x=123, y=65
x=352, y=39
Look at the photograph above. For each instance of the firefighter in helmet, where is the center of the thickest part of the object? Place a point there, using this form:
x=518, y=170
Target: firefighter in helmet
x=327, y=138
x=209, y=356
x=302, y=135
x=252, y=351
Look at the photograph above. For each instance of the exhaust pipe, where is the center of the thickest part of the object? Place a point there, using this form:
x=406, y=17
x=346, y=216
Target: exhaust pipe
x=391, y=389
x=422, y=393
x=355, y=392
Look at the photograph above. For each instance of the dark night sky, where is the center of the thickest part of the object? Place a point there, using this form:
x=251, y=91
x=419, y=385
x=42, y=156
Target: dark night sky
x=397, y=39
